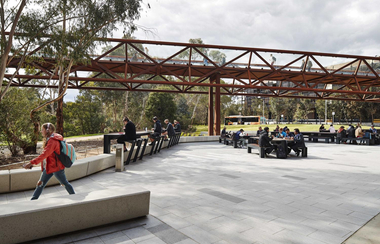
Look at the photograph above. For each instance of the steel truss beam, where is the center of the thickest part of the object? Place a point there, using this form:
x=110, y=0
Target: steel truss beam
x=185, y=75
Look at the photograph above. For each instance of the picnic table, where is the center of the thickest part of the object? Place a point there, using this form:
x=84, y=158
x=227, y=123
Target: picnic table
x=281, y=143
x=108, y=137
x=315, y=135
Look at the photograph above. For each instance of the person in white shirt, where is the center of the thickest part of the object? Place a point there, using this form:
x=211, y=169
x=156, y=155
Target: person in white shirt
x=332, y=129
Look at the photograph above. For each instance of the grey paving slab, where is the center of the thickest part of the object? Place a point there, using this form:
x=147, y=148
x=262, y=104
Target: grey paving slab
x=323, y=198
x=199, y=235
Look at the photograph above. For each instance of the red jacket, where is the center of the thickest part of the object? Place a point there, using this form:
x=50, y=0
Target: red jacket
x=52, y=162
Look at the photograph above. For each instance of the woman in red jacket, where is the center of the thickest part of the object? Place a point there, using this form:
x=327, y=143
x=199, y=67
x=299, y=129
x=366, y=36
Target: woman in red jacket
x=50, y=165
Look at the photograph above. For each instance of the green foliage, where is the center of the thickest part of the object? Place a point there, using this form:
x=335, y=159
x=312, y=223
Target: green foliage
x=303, y=108
x=216, y=56
x=161, y=105
x=85, y=116
x=16, y=128
x=194, y=54
x=277, y=107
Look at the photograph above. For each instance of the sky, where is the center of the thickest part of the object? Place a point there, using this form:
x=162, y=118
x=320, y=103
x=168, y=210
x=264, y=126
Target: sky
x=332, y=26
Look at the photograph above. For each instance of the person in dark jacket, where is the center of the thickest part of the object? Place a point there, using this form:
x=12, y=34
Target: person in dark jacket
x=177, y=126
x=298, y=142
x=351, y=133
x=259, y=131
x=264, y=141
x=129, y=132
x=169, y=131
x=156, y=130
x=224, y=132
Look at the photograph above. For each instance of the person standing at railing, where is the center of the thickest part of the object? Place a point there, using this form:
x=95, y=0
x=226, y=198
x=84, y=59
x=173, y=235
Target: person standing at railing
x=309, y=65
x=303, y=64
x=272, y=59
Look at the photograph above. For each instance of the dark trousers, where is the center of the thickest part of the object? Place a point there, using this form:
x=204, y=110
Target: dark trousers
x=270, y=148
x=295, y=146
x=122, y=139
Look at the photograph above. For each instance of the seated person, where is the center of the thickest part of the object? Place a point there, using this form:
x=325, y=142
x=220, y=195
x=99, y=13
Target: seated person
x=332, y=129
x=372, y=129
x=223, y=133
x=239, y=137
x=351, y=133
x=264, y=141
x=322, y=128
x=277, y=128
x=342, y=132
x=281, y=133
x=156, y=130
x=359, y=132
x=169, y=131
x=259, y=131
x=130, y=132
x=177, y=126
x=288, y=134
x=298, y=142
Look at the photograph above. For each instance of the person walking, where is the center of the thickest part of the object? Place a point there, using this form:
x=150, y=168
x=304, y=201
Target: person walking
x=50, y=164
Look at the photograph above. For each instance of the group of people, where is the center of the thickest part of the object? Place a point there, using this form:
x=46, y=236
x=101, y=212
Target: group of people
x=351, y=132
x=50, y=164
x=265, y=139
x=157, y=131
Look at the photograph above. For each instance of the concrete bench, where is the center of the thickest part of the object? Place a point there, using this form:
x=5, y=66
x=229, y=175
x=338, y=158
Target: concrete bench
x=30, y=220
x=251, y=146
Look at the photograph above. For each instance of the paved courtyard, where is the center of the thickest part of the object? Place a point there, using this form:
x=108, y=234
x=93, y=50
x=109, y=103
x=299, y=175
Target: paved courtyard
x=212, y=193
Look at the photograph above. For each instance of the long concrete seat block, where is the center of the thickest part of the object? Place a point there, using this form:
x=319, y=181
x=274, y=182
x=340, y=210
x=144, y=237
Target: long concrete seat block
x=4, y=181
x=25, y=221
x=77, y=170
x=185, y=139
x=100, y=162
x=22, y=179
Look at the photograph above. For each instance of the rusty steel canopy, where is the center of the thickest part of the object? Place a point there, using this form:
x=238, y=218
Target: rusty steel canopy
x=355, y=80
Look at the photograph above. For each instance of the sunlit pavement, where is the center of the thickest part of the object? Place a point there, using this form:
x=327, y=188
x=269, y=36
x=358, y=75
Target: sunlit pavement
x=213, y=193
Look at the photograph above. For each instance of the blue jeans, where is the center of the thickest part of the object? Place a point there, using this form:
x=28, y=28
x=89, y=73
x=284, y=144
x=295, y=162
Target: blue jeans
x=61, y=177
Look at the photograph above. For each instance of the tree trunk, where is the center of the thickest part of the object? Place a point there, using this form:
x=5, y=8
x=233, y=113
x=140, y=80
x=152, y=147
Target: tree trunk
x=36, y=131
x=195, y=108
x=126, y=102
x=8, y=44
x=59, y=113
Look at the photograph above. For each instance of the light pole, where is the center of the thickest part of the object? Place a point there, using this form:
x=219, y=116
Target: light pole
x=325, y=111
x=282, y=118
x=333, y=113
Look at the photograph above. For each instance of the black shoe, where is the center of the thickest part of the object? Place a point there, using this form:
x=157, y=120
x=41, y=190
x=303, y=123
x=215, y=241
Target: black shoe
x=297, y=153
x=125, y=150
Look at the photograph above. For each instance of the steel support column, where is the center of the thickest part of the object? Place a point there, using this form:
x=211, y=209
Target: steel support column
x=217, y=106
x=210, y=111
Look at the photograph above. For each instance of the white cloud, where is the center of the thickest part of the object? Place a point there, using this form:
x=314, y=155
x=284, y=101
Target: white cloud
x=337, y=26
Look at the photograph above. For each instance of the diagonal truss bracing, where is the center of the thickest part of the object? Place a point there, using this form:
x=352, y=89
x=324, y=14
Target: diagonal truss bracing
x=187, y=69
